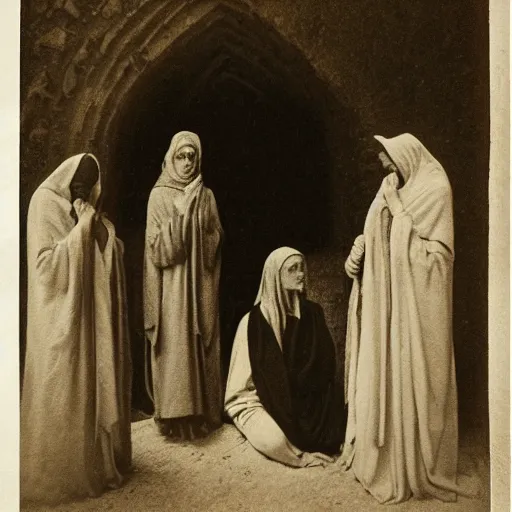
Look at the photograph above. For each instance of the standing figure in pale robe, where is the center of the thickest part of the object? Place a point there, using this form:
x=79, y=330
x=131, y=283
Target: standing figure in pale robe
x=75, y=404
x=181, y=294
x=402, y=433
x=282, y=393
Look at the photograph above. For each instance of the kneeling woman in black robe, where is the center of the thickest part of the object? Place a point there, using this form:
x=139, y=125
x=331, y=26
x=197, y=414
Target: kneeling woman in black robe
x=281, y=391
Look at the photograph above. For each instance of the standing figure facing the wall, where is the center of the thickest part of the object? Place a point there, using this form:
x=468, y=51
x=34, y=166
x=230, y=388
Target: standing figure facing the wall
x=181, y=295
x=402, y=433
x=75, y=404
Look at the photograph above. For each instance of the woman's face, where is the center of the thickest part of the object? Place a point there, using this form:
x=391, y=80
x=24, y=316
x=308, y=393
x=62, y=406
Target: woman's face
x=389, y=166
x=185, y=161
x=386, y=162
x=84, y=179
x=292, y=273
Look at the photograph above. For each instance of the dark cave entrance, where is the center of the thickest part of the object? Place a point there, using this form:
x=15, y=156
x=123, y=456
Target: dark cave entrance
x=267, y=156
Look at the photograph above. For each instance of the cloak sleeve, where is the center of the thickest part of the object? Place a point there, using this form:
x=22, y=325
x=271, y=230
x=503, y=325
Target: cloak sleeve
x=213, y=233
x=163, y=234
x=427, y=233
x=427, y=252
x=57, y=256
x=239, y=377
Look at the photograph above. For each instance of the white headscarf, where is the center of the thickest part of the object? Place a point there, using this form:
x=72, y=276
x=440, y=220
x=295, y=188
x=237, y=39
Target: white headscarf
x=275, y=301
x=408, y=154
x=426, y=194
x=169, y=176
x=60, y=179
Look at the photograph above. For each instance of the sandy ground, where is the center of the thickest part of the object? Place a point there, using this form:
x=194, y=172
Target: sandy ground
x=224, y=473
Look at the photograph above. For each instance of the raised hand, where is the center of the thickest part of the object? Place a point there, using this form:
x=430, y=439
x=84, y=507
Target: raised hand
x=390, y=190
x=82, y=207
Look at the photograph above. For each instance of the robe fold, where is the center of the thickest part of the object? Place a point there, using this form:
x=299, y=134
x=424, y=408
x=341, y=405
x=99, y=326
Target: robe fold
x=75, y=406
x=181, y=286
x=296, y=385
x=402, y=432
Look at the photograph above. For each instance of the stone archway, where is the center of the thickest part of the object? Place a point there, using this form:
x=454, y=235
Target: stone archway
x=193, y=50
x=135, y=46
x=85, y=59
x=266, y=122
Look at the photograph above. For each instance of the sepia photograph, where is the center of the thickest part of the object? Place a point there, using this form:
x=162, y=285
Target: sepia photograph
x=263, y=256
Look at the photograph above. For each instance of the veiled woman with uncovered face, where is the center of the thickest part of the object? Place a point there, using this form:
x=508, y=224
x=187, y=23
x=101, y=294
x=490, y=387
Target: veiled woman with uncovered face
x=402, y=432
x=181, y=286
x=75, y=407
x=281, y=391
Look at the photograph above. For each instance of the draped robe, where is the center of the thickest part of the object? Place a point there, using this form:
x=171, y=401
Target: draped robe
x=75, y=405
x=181, y=311
x=402, y=432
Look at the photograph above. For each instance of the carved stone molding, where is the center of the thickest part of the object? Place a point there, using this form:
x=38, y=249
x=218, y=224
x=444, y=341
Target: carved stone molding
x=98, y=53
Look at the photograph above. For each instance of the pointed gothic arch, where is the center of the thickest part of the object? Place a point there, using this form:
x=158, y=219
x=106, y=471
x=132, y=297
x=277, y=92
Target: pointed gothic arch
x=217, y=68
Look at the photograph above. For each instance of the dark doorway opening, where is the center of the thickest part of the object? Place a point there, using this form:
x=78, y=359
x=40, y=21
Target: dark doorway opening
x=266, y=156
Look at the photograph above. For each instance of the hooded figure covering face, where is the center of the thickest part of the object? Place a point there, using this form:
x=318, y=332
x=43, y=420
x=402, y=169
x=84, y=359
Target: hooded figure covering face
x=402, y=433
x=181, y=286
x=281, y=390
x=75, y=405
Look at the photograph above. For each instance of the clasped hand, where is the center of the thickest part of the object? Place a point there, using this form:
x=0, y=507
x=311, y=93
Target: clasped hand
x=81, y=207
x=99, y=230
x=390, y=190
